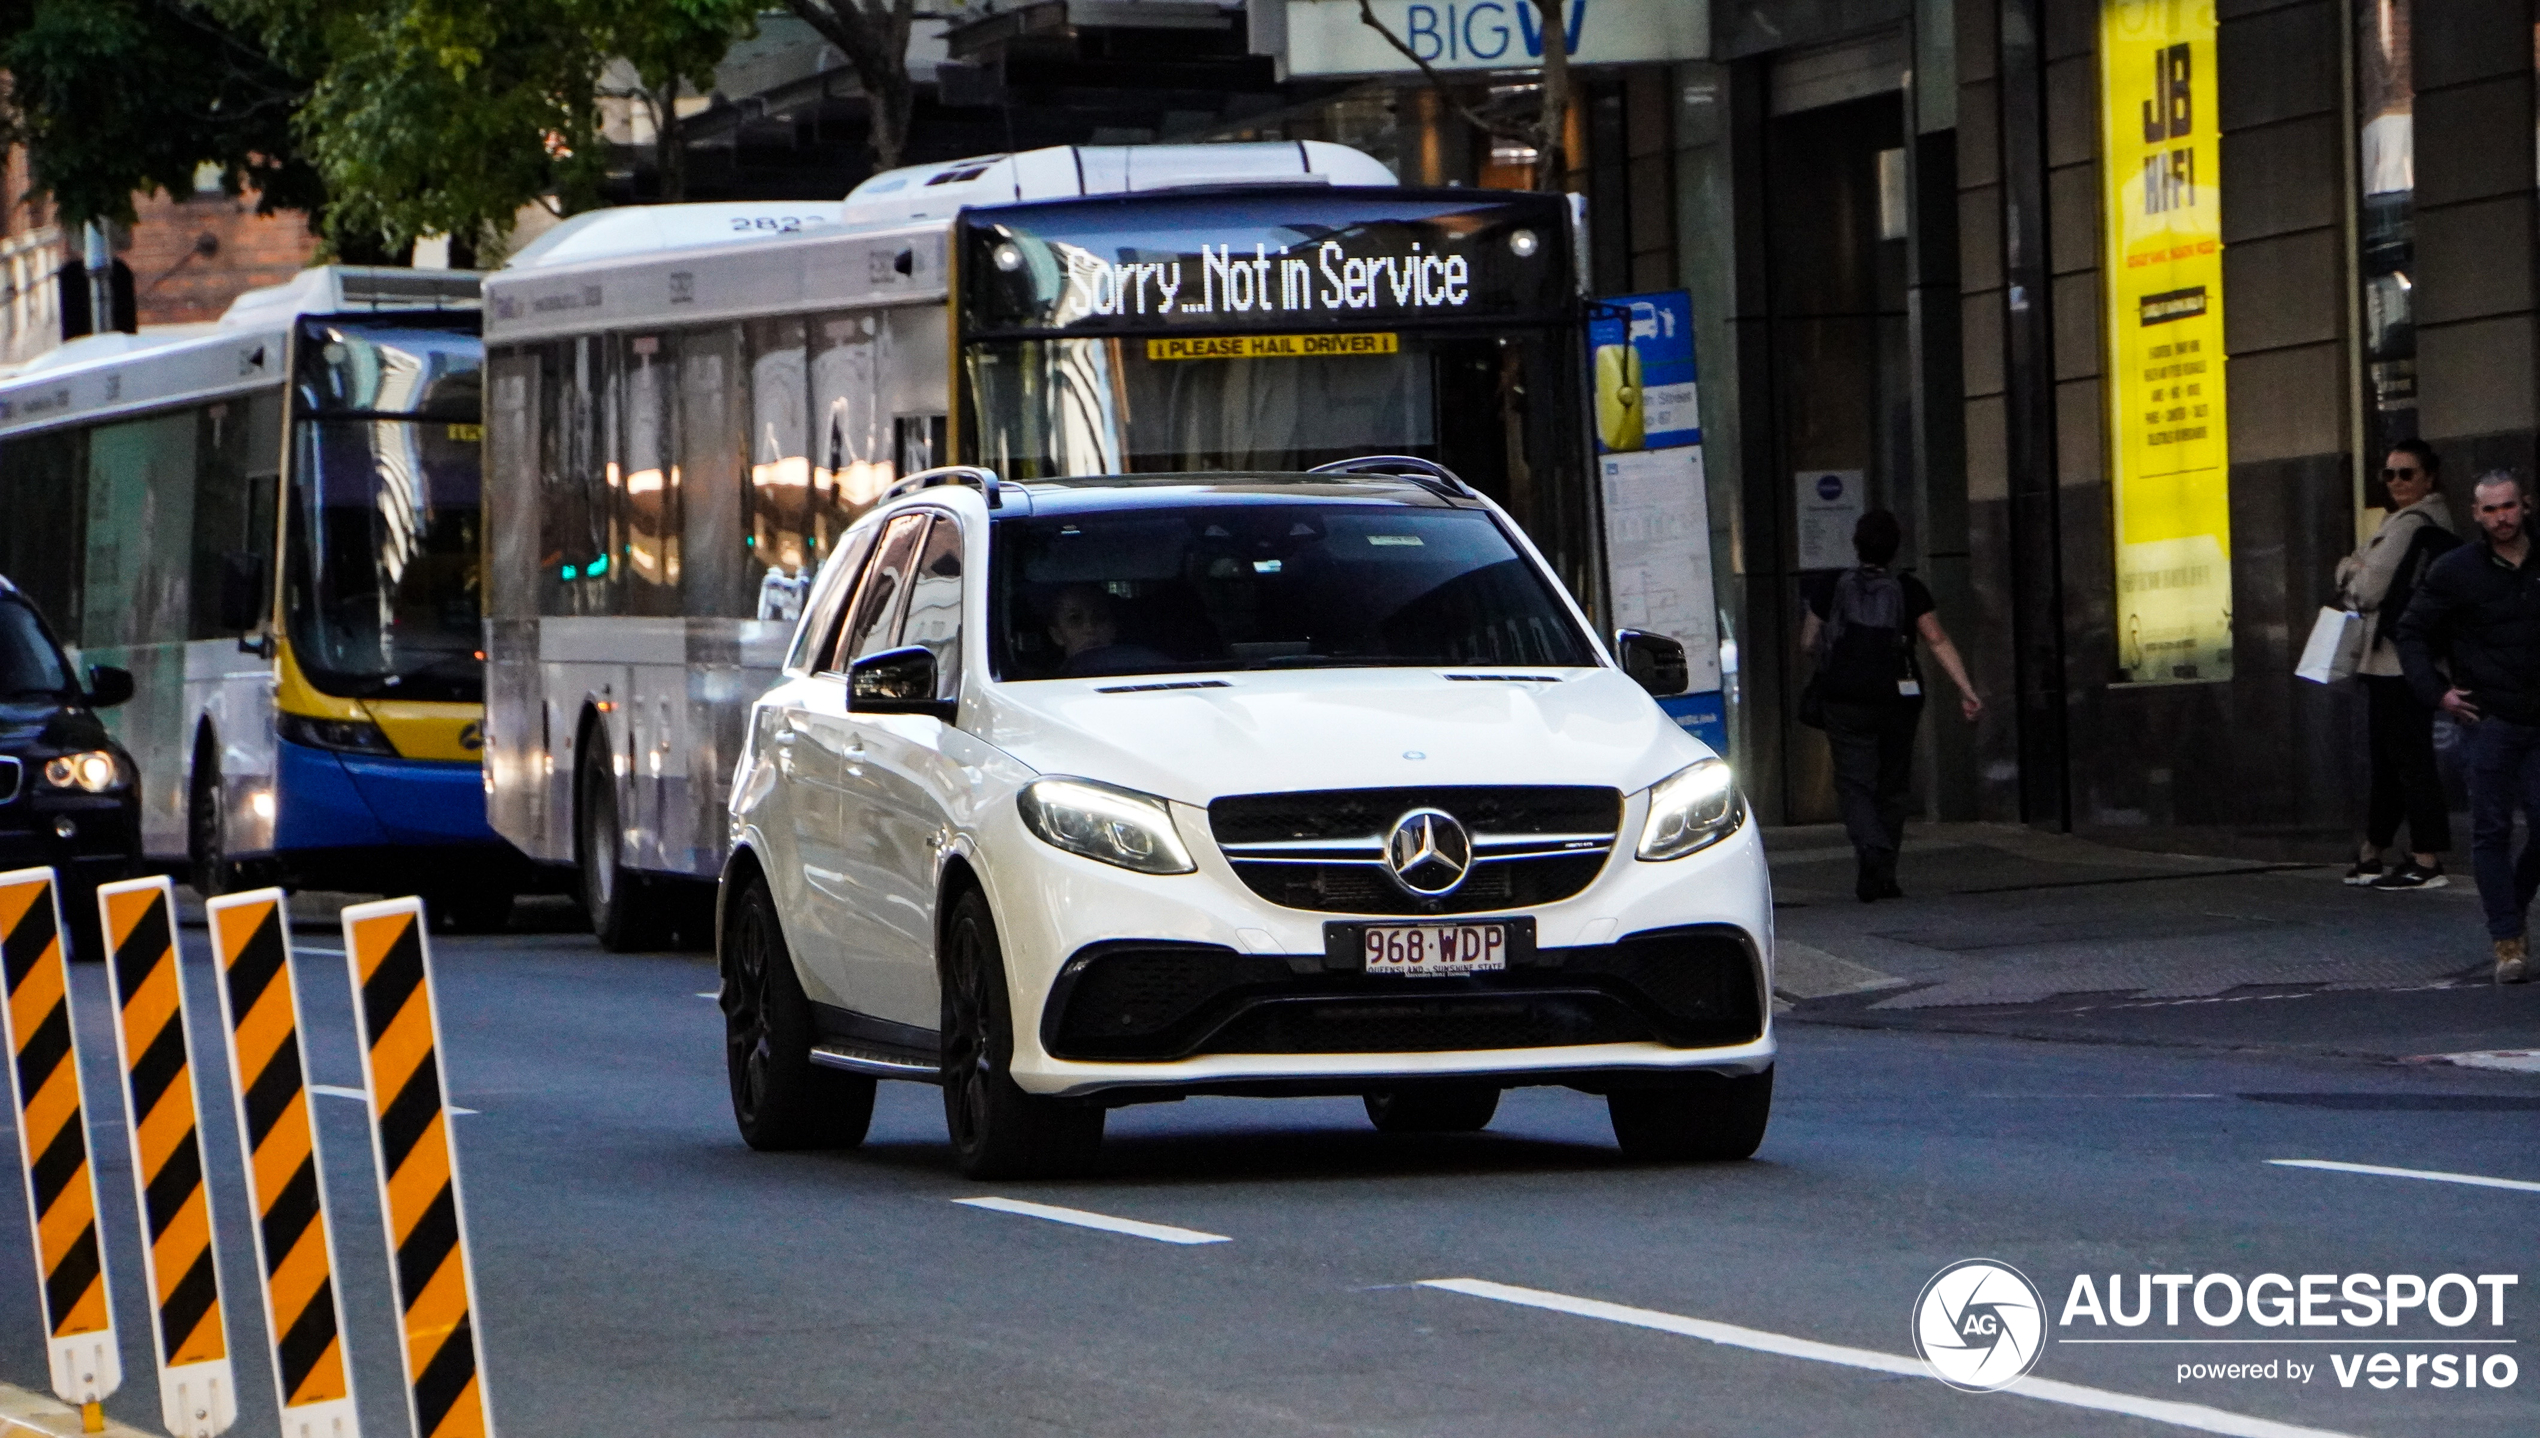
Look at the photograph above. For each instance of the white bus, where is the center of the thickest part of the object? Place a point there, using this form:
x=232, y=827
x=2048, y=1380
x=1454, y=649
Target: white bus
x=689, y=405
x=313, y=721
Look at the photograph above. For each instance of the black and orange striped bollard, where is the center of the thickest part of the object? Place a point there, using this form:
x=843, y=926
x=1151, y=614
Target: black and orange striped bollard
x=198, y=1396
x=260, y=1012
x=393, y=1005
x=61, y=1184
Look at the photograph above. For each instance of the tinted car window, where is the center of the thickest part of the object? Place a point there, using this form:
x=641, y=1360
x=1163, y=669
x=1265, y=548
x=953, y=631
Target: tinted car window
x=29, y=664
x=1268, y=586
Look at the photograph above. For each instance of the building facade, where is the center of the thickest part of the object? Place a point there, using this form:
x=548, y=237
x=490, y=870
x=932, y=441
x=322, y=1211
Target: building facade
x=2118, y=303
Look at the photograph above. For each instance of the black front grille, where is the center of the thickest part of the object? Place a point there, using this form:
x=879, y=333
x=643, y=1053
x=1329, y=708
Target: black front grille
x=1364, y=816
x=1362, y=813
x=1443, y=1023
x=1690, y=988
x=1368, y=889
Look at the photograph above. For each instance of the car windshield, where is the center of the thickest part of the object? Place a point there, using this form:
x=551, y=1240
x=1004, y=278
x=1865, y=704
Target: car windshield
x=29, y=664
x=1246, y=584
x=381, y=592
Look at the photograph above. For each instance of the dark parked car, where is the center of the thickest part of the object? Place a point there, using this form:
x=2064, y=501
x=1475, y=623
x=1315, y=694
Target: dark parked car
x=68, y=794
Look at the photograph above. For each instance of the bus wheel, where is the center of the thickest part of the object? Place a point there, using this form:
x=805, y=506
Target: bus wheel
x=206, y=826
x=615, y=899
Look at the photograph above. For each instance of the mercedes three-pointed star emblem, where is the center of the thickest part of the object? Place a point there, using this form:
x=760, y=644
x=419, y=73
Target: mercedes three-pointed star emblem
x=1428, y=852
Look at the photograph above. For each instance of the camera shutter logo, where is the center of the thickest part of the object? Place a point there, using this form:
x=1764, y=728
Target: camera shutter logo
x=1979, y=1325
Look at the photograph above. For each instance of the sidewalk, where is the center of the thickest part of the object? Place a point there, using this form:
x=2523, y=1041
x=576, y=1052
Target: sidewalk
x=2006, y=925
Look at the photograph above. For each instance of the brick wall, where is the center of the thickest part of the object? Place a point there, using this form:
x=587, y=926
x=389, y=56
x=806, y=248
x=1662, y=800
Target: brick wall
x=191, y=257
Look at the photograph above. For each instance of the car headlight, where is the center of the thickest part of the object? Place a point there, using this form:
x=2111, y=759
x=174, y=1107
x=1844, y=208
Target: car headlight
x=1690, y=809
x=94, y=772
x=347, y=736
x=1117, y=826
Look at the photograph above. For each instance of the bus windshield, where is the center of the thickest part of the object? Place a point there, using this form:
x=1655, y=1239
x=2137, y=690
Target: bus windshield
x=1249, y=583
x=381, y=596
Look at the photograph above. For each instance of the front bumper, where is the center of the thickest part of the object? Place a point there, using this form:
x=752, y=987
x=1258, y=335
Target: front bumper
x=1193, y=983
x=104, y=842
x=327, y=800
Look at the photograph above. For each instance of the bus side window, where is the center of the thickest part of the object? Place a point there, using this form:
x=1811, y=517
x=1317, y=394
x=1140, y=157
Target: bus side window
x=851, y=456
x=877, y=596
x=650, y=414
x=44, y=495
x=713, y=571
x=781, y=536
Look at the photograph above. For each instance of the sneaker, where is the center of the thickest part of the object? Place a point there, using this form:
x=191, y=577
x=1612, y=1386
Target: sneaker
x=2364, y=872
x=2513, y=964
x=2412, y=876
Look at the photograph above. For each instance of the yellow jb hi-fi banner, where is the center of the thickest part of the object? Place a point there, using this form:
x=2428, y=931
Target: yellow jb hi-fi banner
x=2169, y=440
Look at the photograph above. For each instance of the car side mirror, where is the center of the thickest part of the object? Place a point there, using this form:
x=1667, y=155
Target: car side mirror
x=897, y=681
x=1654, y=661
x=242, y=590
x=108, y=686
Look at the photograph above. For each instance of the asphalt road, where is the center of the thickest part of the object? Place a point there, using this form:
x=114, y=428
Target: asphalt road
x=642, y=1272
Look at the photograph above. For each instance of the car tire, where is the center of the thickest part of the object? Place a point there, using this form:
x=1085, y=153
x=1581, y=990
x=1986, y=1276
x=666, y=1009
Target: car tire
x=84, y=929
x=1708, y=1117
x=781, y=1100
x=616, y=899
x=998, y=1130
x=206, y=828
x=1433, y=1108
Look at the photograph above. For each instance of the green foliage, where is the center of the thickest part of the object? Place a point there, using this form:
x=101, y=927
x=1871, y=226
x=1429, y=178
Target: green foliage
x=118, y=97
x=384, y=119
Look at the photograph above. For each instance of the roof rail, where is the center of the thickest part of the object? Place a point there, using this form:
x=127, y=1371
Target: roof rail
x=979, y=477
x=1426, y=472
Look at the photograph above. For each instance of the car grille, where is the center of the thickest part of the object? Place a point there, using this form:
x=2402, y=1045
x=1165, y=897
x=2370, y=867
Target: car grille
x=12, y=774
x=1324, y=850
x=1689, y=988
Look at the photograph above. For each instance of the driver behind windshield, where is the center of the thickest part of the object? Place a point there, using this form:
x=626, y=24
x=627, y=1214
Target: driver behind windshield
x=1085, y=625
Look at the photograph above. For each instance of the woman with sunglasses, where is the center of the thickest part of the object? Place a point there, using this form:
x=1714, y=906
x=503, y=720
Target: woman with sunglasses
x=2377, y=581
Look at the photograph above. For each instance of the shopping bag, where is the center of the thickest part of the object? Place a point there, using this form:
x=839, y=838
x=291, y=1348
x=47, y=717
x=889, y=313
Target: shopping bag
x=2336, y=646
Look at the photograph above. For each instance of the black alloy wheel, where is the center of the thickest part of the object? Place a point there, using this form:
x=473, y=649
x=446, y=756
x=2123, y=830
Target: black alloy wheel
x=1703, y=1117
x=998, y=1130
x=780, y=1098
x=614, y=899
x=1433, y=1108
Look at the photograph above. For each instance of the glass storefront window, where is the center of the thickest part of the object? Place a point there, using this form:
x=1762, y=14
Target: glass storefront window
x=2386, y=229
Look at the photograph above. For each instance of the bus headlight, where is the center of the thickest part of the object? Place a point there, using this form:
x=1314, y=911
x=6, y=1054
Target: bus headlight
x=1117, y=826
x=1691, y=809
x=94, y=772
x=345, y=736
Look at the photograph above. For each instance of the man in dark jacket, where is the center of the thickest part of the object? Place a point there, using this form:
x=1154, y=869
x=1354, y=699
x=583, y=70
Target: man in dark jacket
x=2478, y=613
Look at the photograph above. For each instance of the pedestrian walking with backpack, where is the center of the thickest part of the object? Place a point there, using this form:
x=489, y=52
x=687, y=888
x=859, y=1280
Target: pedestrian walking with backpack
x=1867, y=692
x=2377, y=581
x=2470, y=643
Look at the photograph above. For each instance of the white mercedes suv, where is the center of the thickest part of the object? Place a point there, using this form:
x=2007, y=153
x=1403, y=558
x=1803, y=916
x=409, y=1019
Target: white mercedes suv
x=1088, y=792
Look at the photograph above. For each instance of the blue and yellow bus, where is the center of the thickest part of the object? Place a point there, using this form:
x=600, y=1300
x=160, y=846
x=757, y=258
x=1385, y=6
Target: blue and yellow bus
x=273, y=522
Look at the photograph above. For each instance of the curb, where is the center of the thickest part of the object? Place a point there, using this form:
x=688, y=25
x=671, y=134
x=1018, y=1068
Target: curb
x=34, y=1415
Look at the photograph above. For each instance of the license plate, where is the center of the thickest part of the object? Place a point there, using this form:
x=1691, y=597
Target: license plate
x=1441, y=949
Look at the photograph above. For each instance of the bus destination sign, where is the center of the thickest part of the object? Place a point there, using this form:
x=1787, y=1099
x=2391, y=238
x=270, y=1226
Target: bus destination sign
x=1302, y=259
x=1211, y=347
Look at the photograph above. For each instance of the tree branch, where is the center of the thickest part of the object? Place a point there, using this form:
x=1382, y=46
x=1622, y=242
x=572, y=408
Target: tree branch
x=1504, y=129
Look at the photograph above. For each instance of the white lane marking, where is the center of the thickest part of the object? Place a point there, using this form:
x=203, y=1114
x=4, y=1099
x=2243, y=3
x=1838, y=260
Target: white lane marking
x=2512, y=1061
x=709, y=994
x=1160, y=1232
x=337, y=1090
x=2183, y=1415
x=300, y=948
x=2475, y=1180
